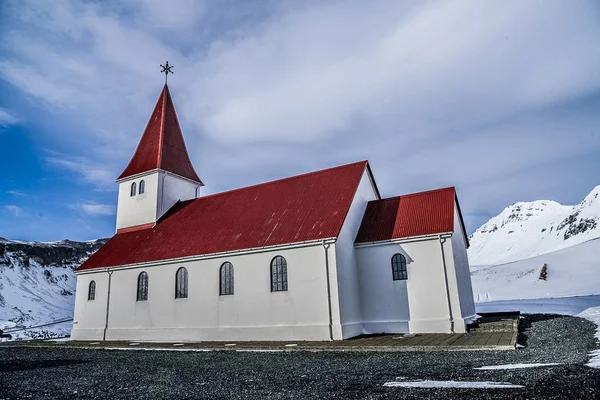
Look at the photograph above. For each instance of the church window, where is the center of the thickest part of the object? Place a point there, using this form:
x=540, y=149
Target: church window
x=142, y=187
x=142, y=287
x=399, y=267
x=181, y=283
x=279, y=281
x=92, y=291
x=133, y=189
x=226, y=279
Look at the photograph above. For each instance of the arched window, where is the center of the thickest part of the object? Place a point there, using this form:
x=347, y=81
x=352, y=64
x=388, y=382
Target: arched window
x=399, y=267
x=92, y=291
x=226, y=279
x=279, y=281
x=142, y=187
x=142, y=287
x=181, y=283
x=132, y=190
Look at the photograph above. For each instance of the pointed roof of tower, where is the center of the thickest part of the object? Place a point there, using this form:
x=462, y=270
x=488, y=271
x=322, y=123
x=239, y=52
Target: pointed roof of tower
x=162, y=145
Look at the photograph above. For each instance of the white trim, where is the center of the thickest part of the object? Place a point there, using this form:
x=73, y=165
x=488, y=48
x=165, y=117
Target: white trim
x=405, y=240
x=142, y=174
x=232, y=253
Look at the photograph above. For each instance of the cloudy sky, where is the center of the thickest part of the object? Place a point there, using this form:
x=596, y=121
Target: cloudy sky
x=500, y=99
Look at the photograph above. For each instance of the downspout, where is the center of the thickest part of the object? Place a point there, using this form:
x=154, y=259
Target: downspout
x=107, y=304
x=442, y=240
x=326, y=248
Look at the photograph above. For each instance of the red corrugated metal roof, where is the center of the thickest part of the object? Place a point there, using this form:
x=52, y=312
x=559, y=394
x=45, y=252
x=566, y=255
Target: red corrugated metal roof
x=162, y=144
x=417, y=214
x=305, y=207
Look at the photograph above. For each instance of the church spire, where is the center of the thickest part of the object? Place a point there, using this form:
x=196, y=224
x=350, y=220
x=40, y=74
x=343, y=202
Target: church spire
x=162, y=146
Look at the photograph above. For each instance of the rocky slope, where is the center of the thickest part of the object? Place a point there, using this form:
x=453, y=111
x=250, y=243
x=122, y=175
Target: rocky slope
x=37, y=284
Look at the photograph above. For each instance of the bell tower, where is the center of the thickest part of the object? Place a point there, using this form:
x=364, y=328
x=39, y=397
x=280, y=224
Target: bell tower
x=160, y=172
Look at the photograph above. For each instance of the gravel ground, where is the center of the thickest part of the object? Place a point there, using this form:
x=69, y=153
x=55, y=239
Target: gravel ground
x=54, y=373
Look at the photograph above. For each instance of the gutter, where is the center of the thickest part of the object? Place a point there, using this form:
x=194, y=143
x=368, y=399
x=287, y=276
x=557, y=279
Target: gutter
x=404, y=240
x=107, y=304
x=442, y=240
x=326, y=248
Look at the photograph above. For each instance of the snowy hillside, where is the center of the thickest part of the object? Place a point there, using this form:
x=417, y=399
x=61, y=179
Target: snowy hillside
x=574, y=271
x=37, y=284
x=528, y=229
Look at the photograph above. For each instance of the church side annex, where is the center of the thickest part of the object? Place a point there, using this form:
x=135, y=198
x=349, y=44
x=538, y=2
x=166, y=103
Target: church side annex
x=318, y=256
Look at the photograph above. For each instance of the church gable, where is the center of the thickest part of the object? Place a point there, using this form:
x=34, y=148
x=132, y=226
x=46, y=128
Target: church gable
x=303, y=208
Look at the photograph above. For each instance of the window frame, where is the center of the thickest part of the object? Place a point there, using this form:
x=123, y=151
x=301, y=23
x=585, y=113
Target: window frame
x=92, y=291
x=142, y=286
x=399, y=270
x=226, y=279
x=279, y=276
x=133, y=190
x=181, y=283
x=142, y=187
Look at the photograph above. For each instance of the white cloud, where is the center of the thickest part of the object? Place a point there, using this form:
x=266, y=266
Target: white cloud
x=433, y=93
x=18, y=193
x=92, y=208
x=88, y=172
x=15, y=210
x=7, y=119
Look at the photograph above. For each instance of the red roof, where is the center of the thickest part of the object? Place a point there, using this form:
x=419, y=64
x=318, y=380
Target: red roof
x=417, y=214
x=162, y=145
x=301, y=208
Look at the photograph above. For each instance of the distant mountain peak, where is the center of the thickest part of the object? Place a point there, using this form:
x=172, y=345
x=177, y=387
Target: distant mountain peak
x=528, y=229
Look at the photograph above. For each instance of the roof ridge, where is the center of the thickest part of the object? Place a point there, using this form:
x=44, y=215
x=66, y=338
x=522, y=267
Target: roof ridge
x=419, y=193
x=161, y=134
x=280, y=180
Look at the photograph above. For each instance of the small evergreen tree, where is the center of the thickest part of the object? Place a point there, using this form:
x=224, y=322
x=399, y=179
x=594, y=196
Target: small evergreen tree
x=544, y=272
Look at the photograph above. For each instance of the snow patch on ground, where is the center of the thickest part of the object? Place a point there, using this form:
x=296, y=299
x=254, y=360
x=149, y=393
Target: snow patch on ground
x=593, y=314
x=515, y=366
x=453, y=384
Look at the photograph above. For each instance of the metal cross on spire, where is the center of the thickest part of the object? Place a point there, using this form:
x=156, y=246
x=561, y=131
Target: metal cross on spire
x=166, y=69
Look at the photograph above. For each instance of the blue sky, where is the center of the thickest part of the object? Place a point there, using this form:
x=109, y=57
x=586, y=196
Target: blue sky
x=500, y=99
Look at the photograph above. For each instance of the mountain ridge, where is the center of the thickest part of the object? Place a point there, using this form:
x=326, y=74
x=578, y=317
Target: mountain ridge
x=528, y=229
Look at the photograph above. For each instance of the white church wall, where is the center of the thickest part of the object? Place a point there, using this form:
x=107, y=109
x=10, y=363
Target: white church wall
x=463, y=272
x=89, y=316
x=173, y=189
x=346, y=264
x=384, y=302
x=419, y=304
x=253, y=312
x=141, y=208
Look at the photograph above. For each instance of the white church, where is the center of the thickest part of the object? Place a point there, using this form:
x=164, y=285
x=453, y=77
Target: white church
x=318, y=256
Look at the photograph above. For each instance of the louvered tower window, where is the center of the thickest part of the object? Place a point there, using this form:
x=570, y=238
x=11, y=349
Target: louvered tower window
x=133, y=189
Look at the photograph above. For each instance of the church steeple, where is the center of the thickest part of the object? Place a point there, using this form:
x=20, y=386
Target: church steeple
x=160, y=172
x=162, y=146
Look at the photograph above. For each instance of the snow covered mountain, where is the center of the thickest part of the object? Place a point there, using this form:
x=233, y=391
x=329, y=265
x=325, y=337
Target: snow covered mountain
x=528, y=229
x=37, y=284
